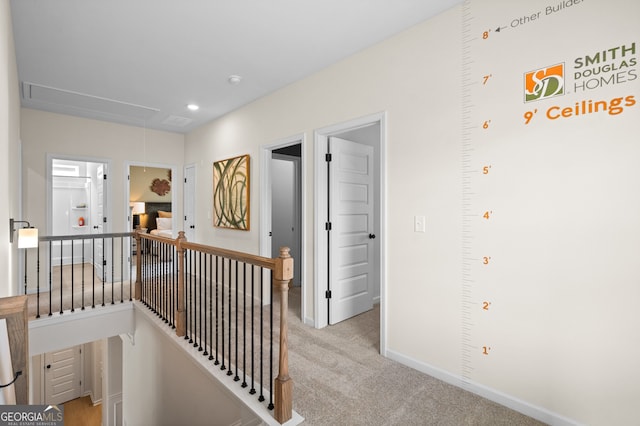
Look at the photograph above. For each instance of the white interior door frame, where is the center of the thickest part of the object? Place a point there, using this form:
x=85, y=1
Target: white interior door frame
x=175, y=189
x=189, y=204
x=107, y=205
x=321, y=243
x=107, y=162
x=291, y=195
x=265, y=207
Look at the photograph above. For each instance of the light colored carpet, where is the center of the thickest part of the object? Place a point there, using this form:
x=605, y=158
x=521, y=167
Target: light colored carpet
x=341, y=379
x=339, y=376
x=87, y=291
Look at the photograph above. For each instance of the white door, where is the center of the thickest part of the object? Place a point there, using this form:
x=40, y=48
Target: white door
x=98, y=224
x=62, y=373
x=285, y=208
x=189, y=202
x=351, y=248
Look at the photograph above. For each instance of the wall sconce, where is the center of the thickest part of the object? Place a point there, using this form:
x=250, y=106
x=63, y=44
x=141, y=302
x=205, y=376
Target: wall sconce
x=27, y=236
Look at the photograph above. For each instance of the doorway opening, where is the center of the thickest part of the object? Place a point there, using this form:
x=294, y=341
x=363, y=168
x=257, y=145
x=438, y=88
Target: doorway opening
x=78, y=200
x=349, y=221
x=90, y=371
x=150, y=203
x=282, y=210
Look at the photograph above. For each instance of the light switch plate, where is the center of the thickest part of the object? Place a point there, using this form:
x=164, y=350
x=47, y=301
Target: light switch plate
x=419, y=224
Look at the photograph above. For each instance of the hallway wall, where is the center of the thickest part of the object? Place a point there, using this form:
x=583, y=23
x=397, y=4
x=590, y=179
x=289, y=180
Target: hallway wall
x=166, y=395
x=423, y=113
x=9, y=153
x=556, y=360
x=570, y=349
x=44, y=133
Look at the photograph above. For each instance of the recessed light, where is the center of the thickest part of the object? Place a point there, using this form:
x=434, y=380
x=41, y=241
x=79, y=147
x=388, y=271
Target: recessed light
x=193, y=107
x=234, y=79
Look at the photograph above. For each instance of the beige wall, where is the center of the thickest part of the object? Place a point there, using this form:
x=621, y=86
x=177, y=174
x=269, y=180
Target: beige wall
x=9, y=153
x=548, y=361
x=46, y=133
x=140, y=180
x=158, y=393
x=396, y=76
x=573, y=357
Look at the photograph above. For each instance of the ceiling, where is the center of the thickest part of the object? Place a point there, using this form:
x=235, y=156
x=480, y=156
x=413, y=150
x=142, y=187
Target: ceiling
x=140, y=62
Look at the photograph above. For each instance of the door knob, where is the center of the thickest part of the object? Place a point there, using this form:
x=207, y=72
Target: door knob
x=372, y=236
x=48, y=366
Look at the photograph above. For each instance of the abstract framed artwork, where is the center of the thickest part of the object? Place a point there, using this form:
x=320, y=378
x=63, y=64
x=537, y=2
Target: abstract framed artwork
x=231, y=193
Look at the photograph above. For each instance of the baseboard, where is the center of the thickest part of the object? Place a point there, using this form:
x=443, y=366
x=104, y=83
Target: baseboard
x=253, y=422
x=498, y=397
x=94, y=402
x=309, y=321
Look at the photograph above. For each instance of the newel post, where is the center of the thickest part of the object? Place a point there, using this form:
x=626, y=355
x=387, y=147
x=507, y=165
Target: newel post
x=181, y=315
x=283, y=274
x=138, y=285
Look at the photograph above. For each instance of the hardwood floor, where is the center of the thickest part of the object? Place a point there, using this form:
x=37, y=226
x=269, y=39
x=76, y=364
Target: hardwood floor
x=81, y=412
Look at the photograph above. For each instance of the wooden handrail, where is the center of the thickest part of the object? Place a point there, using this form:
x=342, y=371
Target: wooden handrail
x=265, y=262
x=282, y=268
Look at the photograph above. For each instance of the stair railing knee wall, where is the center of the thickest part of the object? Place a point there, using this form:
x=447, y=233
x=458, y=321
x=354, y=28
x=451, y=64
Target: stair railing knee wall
x=215, y=299
x=70, y=272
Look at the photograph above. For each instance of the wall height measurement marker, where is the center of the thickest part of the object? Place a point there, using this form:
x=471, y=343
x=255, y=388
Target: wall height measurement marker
x=467, y=346
x=478, y=83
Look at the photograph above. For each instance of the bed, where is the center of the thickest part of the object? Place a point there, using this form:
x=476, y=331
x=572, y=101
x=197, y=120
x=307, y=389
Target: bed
x=159, y=219
x=163, y=227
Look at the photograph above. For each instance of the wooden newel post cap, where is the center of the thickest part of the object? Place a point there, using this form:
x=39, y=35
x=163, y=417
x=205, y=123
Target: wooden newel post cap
x=284, y=266
x=284, y=252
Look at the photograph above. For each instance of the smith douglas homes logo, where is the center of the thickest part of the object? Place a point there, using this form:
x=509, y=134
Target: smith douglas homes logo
x=598, y=82
x=614, y=66
x=544, y=83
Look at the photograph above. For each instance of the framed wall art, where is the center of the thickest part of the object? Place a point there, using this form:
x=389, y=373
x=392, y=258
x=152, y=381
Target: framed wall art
x=231, y=193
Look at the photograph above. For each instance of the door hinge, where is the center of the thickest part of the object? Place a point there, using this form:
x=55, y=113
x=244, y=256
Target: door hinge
x=104, y=219
x=327, y=226
x=104, y=176
x=327, y=294
x=328, y=157
x=128, y=177
x=104, y=263
x=185, y=180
